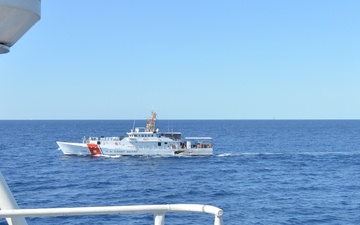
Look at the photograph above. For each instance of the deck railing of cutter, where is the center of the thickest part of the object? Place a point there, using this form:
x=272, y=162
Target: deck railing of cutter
x=159, y=211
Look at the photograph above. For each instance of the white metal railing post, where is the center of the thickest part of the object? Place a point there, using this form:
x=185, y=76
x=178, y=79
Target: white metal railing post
x=218, y=220
x=159, y=219
x=7, y=201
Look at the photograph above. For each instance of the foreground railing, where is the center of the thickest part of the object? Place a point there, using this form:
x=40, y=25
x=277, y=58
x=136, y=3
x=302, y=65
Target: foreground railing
x=159, y=211
x=15, y=216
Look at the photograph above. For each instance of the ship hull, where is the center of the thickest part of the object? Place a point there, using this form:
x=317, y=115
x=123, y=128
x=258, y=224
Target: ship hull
x=73, y=148
x=86, y=149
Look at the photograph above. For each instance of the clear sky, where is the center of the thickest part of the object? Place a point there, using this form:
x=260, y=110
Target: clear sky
x=186, y=59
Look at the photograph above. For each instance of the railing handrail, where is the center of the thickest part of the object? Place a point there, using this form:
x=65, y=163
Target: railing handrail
x=158, y=211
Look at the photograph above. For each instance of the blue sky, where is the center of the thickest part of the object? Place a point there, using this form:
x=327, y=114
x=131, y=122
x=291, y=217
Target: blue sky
x=186, y=60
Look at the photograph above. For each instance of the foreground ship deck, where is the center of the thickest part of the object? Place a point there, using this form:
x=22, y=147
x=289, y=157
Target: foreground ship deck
x=147, y=141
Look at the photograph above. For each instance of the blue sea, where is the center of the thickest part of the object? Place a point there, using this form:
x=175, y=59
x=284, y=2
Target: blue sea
x=262, y=171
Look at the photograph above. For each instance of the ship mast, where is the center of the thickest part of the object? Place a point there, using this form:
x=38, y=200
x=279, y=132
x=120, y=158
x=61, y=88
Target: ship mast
x=150, y=127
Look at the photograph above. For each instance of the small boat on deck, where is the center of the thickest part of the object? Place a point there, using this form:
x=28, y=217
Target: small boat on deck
x=148, y=141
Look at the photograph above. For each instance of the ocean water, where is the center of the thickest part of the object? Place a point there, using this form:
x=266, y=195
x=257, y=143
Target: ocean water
x=262, y=171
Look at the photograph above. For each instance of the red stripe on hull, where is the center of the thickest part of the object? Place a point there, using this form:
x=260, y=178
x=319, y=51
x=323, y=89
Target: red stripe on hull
x=94, y=149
